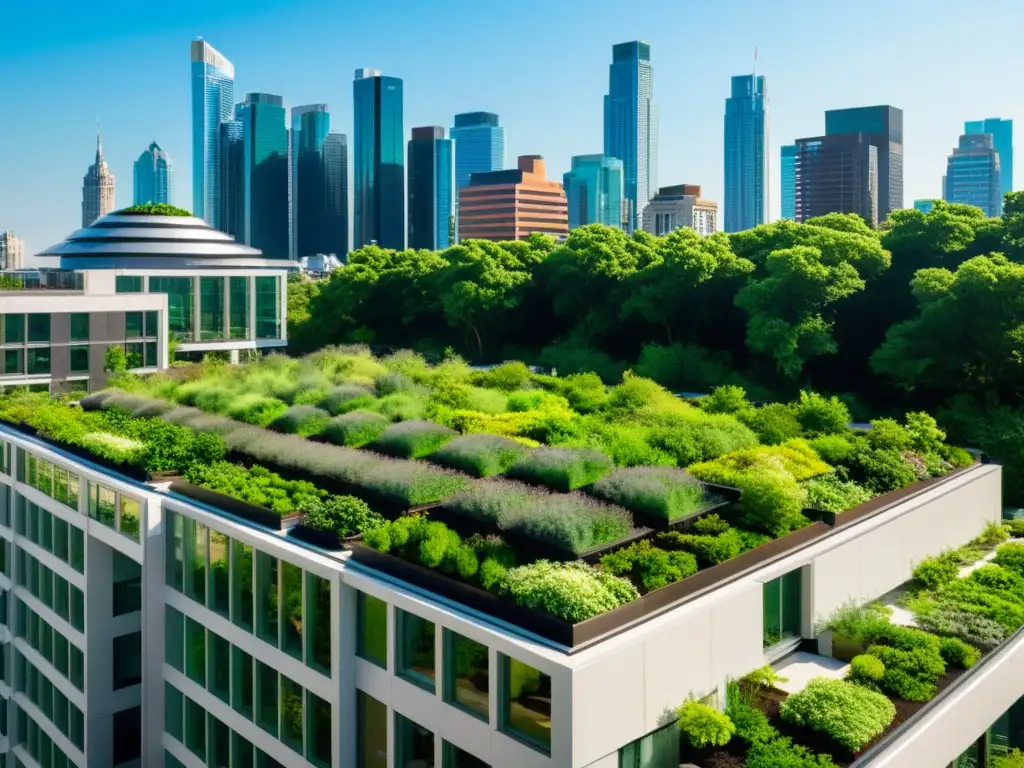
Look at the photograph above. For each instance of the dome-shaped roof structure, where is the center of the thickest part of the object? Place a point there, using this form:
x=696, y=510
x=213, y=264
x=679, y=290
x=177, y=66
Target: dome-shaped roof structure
x=131, y=241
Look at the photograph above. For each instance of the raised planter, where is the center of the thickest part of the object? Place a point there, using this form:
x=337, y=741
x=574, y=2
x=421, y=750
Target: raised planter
x=318, y=538
x=251, y=512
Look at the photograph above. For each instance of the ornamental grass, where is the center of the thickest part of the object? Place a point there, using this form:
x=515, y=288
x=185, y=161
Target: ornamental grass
x=562, y=469
x=479, y=455
x=412, y=439
x=663, y=492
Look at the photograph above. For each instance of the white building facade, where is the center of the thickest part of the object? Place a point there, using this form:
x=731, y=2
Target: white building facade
x=680, y=206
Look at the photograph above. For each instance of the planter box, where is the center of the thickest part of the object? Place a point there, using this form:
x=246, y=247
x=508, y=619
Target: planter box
x=323, y=539
x=251, y=512
x=845, y=648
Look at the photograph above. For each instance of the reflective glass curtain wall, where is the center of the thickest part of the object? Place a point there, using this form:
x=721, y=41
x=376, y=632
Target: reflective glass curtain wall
x=213, y=98
x=265, y=174
x=336, y=180
x=787, y=185
x=1002, y=137
x=746, y=154
x=152, y=176
x=319, y=196
x=479, y=145
x=379, y=206
x=431, y=189
x=593, y=190
x=883, y=126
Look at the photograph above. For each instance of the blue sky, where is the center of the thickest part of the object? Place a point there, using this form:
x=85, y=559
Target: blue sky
x=541, y=64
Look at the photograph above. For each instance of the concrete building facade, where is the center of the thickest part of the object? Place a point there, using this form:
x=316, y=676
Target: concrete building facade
x=513, y=204
x=680, y=206
x=12, y=251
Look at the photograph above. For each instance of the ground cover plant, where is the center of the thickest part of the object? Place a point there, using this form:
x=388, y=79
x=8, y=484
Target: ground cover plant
x=412, y=439
x=661, y=492
x=255, y=485
x=341, y=515
x=851, y=714
x=561, y=469
x=355, y=428
x=479, y=455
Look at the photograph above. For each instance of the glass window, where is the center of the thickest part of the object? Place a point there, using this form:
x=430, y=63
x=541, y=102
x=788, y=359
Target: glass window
x=38, y=360
x=179, y=303
x=266, y=597
x=152, y=359
x=14, y=329
x=175, y=551
x=525, y=696
x=76, y=663
x=211, y=308
x=414, y=744
x=128, y=283
x=782, y=608
x=238, y=307
x=133, y=352
x=152, y=328
x=654, y=750
x=241, y=682
x=467, y=674
x=195, y=651
x=127, y=591
x=174, y=638
x=220, y=744
x=318, y=623
x=459, y=758
x=195, y=576
x=291, y=626
x=291, y=713
x=218, y=661
x=127, y=735
x=79, y=359
x=371, y=732
x=129, y=521
x=416, y=657
x=14, y=361
x=318, y=730
x=266, y=698
x=219, y=597
x=195, y=728
x=174, y=715
x=102, y=504
x=241, y=611
x=268, y=310
x=242, y=750
x=39, y=328
x=372, y=629
x=79, y=326
x=77, y=548
x=127, y=660
x=133, y=325
x=77, y=608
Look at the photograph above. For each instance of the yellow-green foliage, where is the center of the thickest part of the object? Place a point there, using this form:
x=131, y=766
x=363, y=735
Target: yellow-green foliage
x=794, y=458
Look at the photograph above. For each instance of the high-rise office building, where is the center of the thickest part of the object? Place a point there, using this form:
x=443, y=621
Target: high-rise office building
x=1002, y=138
x=314, y=227
x=152, y=176
x=379, y=160
x=926, y=205
x=336, y=172
x=97, y=187
x=883, y=127
x=213, y=101
x=479, y=145
x=231, y=176
x=680, y=206
x=787, y=186
x=631, y=124
x=12, y=251
x=264, y=202
x=837, y=174
x=432, y=190
x=594, y=191
x=746, y=154
x=973, y=174
x=513, y=204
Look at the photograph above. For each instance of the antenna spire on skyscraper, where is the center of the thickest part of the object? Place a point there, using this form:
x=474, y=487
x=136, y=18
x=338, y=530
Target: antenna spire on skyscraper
x=99, y=143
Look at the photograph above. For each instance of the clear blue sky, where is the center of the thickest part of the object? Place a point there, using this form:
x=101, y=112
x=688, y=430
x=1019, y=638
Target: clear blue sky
x=541, y=64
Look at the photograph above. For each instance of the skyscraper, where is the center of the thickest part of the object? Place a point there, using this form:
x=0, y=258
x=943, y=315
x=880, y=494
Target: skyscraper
x=479, y=145
x=213, y=98
x=631, y=124
x=379, y=140
x=593, y=188
x=264, y=203
x=883, y=126
x=1002, y=138
x=513, y=204
x=837, y=174
x=973, y=174
x=97, y=187
x=230, y=178
x=152, y=176
x=787, y=177
x=311, y=125
x=432, y=160
x=12, y=251
x=746, y=154
x=336, y=171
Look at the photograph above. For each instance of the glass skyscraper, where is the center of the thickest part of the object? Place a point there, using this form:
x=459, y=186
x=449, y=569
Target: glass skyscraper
x=631, y=124
x=379, y=142
x=336, y=174
x=973, y=174
x=479, y=145
x=1002, y=139
x=314, y=228
x=746, y=154
x=787, y=187
x=883, y=127
x=264, y=201
x=431, y=189
x=593, y=189
x=232, y=153
x=152, y=176
x=213, y=98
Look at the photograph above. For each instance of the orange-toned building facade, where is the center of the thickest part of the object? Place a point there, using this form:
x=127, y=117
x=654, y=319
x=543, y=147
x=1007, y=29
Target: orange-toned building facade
x=513, y=204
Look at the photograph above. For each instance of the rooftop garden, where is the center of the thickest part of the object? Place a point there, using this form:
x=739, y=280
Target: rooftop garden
x=557, y=494
x=960, y=614
x=153, y=209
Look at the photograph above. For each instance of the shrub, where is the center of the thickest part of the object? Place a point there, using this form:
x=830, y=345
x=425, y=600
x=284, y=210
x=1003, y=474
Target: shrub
x=255, y=485
x=355, y=429
x=1016, y=527
x=708, y=549
x=689, y=438
x=571, y=522
x=861, y=623
x=830, y=494
x=710, y=525
x=429, y=543
x=850, y=714
x=585, y=392
x=342, y=515
x=571, y=591
x=114, y=448
x=1012, y=759
x=888, y=435
x=253, y=408
x=649, y=567
x=658, y=491
x=910, y=674
x=966, y=625
x=820, y=415
x=563, y=469
x=508, y=376
x=833, y=449
x=703, y=726
x=992, y=534
x=752, y=724
x=795, y=458
x=773, y=502
x=937, y=571
x=1011, y=556
x=880, y=470
x=774, y=423
x=479, y=455
x=866, y=669
x=958, y=653
x=412, y=439
x=726, y=399
x=345, y=398
x=400, y=406
x=781, y=752
x=301, y=420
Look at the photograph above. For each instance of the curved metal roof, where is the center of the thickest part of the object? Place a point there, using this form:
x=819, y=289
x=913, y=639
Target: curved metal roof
x=160, y=242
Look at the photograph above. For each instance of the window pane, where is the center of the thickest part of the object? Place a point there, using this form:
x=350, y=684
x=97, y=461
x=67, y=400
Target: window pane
x=38, y=360
x=79, y=322
x=458, y=758
x=220, y=744
x=467, y=674
x=195, y=651
x=220, y=593
x=792, y=603
x=152, y=358
x=127, y=660
x=133, y=325
x=371, y=732
x=318, y=623
x=174, y=640
x=291, y=627
x=318, y=724
x=129, y=522
x=414, y=744
x=218, y=662
x=77, y=549
x=211, y=308
x=239, y=307
x=14, y=329
x=128, y=284
x=266, y=597
x=291, y=713
x=179, y=303
x=241, y=682
x=266, y=697
x=195, y=728
x=372, y=629
x=415, y=650
x=14, y=361
x=526, y=703
x=152, y=320
x=79, y=359
x=39, y=328
x=195, y=576
x=133, y=354
x=268, y=315
x=127, y=735
x=241, y=611
x=175, y=550
x=242, y=751
x=772, y=601
x=174, y=716
x=77, y=608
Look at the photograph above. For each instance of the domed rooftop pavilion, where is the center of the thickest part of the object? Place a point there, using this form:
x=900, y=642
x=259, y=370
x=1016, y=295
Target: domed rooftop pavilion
x=222, y=295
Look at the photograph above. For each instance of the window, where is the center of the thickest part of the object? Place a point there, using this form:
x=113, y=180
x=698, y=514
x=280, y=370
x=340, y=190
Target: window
x=266, y=597
x=525, y=698
x=220, y=744
x=266, y=698
x=291, y=602
x=38, y=361
x=291, y=714
x=133, y=352
x=241, y=610
x=39, y=328
x=152, y=328
x=175, y=554
x=127, y=735
x=415, y=654
x=372, y=629
x=241, y=682
x=238, y=307
x=151, y=358
x=14, y=329
x=179, y=303
x=79, y=359
x=318, y=623
x=102, y=504
x=174, y=636
x=414, y=744
x=458, y=758
x=467, y=674
x=195, y=651
x=128, y=283
x=127, y=660
x=371, y=732
x=318, y=730
x=195, y=728
x=268, y=314
x=127, y=592
x=783, y=608
x=655, y=750
x=132, y=325
x=219, y=597
x=79, y=326
x=211, y=308
x=195, y=558
x=14, y=361
x=218, y=661
x=129, y=521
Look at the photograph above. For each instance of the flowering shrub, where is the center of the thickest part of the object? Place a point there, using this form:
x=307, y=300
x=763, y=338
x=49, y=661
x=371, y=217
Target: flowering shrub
x=479, y=455
x=663, y=492
x=563, y=469
x=412, y=439
x=849, y=713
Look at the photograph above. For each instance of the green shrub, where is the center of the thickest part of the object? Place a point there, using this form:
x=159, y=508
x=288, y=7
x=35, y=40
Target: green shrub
x=833, y=449
x=253, y=408
x=957, y=653
x=708, y=549
x=255, y=485
x=301, y=420
x=830, y=494
x=860, y=623
x=888, y=435
x=1016, y=527
x=585, y=392
x=752, y=724
x=783, y=753
x=866, y=669
x=429, y=543
x=342, y=515
x=948, y=620
x=1012, y=759
x=399, y=406
x=850, y=714
x=937, y=571
x=773, y=502
x=571, y=591
x=508, y=376
x=909, y=674
x=726, y=399
x=690, y=439
x=1011, y=556
x=703, y=726
x=880, y=470
x=412, y=439
x=992, y=534
x=346, y=398
x=649, y=567
x=710, y=525
x=479, y=455
x=662, y=492
x=820, y=415
x=152, y=209
x=774, y=423
x=563, y=469
x=355, y=429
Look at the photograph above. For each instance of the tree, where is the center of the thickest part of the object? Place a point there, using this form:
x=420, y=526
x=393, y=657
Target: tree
x=115, y=360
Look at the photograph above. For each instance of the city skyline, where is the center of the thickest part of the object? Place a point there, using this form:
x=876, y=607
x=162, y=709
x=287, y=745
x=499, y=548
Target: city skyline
x=564, y=117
